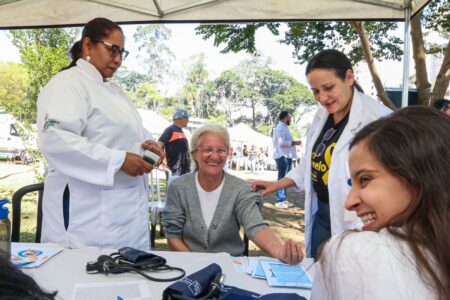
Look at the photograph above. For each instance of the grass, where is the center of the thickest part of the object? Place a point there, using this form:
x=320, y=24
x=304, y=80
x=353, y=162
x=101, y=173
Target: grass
x=286, y=223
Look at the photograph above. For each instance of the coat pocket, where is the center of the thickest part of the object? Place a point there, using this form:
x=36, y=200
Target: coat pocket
x=118, y=207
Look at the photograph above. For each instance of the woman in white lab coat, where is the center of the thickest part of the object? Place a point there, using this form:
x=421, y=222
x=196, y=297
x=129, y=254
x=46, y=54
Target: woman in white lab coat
x=323, y=172
x=93, y=139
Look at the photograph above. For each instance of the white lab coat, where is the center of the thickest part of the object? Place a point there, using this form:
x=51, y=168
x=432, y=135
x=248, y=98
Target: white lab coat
x=85, y=127
x=363, y=111
x=369, y=265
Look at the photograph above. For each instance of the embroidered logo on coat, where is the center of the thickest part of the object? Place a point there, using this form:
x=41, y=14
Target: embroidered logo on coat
x=49, y=123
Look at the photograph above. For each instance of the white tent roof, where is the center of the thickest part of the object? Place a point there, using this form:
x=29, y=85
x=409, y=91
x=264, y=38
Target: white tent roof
x=153, y=122
x=29, y=13
x=243, y=134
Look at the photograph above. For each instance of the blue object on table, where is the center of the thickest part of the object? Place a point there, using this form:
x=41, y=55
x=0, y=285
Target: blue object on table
x=195, y=285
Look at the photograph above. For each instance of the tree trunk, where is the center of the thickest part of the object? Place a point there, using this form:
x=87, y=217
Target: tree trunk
x=359, y=27
x=419, y=55
x=253, y=114
x=443, y=77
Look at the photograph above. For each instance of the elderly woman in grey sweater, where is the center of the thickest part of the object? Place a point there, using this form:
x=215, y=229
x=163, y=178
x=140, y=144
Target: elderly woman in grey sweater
x=206, y=208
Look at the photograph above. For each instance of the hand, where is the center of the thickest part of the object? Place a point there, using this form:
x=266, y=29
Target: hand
x=267, y=186
x=156, y=148
x=291, y=253
x=135, y=165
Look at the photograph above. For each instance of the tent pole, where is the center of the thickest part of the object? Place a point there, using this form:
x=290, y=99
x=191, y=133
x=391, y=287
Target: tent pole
x=406, y=50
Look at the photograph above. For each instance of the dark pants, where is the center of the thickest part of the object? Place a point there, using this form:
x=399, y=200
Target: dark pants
x=284, y=166
x=66, y=205
x=321, y=230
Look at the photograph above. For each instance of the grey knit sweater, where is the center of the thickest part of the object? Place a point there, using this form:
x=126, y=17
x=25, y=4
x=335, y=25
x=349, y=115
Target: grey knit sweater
x=182, y=216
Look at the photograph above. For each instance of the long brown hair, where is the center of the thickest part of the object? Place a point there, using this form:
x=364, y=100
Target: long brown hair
x=414, y=143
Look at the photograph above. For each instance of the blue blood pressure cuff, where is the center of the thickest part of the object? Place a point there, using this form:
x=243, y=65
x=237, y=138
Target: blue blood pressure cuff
x=195, y=285
x=139, y=257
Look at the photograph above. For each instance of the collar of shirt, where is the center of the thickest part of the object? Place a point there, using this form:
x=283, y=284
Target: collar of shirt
x=90, y=70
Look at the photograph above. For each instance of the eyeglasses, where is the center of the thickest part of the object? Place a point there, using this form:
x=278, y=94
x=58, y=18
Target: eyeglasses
x=115, y=50
x=207, y=151
x=322, y=146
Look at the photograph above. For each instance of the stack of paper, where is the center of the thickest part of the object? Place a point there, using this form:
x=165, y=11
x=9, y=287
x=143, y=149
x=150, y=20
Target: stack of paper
x=277, y=273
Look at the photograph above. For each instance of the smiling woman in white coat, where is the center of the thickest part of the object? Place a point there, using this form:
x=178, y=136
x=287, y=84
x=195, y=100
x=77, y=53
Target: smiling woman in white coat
x=323, y=172
x=93, y=139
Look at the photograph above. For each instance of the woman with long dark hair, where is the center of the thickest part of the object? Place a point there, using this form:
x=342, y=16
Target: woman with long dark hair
x=400, y=189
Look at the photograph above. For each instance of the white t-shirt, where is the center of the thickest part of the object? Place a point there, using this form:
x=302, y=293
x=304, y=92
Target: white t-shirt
x=368, y=265
x=208, y=200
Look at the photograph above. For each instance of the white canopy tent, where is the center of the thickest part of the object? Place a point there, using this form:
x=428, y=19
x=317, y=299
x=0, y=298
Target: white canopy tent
x=44, y=13
x=153, y=122
x=29, y=13
x=242, y=134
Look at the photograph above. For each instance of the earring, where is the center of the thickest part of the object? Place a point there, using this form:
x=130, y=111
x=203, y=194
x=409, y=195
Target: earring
x=88, y=58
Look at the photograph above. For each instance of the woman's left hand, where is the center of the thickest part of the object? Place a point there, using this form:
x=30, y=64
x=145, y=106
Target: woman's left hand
x=155, y=148
x=291, y=253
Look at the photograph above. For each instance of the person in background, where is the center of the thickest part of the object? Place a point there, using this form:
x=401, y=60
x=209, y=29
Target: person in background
x=443, y=105
x=253, y=158
x=398, y=190
x=323, y=171
x=176, y=145
x=283, y=153
x=205, y=209
x=93, y=139
x=246, y=161
x=14, y=284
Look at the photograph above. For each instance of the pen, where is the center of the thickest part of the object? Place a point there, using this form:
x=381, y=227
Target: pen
x=271, y=271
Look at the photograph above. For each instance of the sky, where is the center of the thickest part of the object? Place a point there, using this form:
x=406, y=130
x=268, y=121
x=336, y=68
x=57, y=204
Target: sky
x=184, y=44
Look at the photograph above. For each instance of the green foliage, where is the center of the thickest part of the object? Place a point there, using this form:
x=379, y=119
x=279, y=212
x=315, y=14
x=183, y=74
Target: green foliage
x=229, y=86
x=157, y=56
x=309, y=38
x=281, y=92
x=167, y=112
x=436, y=16
x=13, y=91
x=265, y=129
x=43, y=52
x=235, y=37
x=219, y=119
x=129, y=79
x=194, y=94
x=147, y=96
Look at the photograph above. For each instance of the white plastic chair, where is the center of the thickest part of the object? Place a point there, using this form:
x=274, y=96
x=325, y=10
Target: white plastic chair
x=156, y=204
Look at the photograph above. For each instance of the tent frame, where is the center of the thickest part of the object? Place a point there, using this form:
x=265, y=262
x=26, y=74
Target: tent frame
x=158, y=13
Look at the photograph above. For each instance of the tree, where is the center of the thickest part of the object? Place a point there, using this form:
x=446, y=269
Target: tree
x=43, y=52
x=157, y=56
x=247, y=70
x=435, y=17
x=13, y=91
x=229, y=87
x=129, y=79
x=310, y=37
x=193, y=91
x=146, y=96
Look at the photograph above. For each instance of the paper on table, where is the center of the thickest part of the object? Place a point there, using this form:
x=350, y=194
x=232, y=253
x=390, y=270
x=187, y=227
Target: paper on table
x=258, y=271
x=279, y=274
x=128, y=290
x=240, y=263
x=31, y=256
